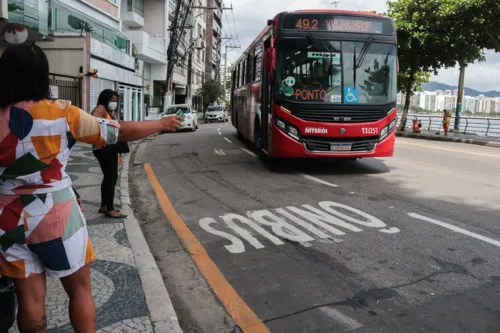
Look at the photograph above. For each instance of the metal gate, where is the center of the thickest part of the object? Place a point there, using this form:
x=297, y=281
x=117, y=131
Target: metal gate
x=67, y=88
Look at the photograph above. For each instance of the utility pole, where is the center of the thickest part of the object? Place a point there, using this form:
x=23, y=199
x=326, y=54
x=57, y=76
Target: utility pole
x=172, y=49
x=460, y=97
x=225, y=66
x=336, y=3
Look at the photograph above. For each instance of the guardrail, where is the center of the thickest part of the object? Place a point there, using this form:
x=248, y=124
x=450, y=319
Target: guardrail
x=468, y=125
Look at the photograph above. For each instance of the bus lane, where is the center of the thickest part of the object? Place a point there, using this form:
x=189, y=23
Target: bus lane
x=303, y=256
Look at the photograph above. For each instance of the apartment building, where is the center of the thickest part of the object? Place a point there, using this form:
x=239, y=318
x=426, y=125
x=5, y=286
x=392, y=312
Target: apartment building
x=214, y=39
x=145, y=23
x=90, y=48
x=94, y=45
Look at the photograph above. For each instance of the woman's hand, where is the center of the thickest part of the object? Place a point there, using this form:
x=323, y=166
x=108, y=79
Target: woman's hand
x=171, y=123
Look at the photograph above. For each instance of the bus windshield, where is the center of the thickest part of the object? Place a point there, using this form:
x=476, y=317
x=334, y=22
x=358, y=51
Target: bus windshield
x=341, y=72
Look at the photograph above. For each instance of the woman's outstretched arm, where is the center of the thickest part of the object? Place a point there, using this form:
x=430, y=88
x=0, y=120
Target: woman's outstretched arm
x=135, y=130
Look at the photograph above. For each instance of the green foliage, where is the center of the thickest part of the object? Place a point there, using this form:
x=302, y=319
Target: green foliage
x=210, y=92
x=429, y=39
x=480, y=19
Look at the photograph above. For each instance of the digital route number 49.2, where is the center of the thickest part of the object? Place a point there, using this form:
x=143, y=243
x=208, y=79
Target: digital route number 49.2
x=307, y=24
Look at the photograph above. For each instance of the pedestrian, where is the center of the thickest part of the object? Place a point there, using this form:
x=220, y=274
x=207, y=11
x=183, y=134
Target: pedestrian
x=446, y=121
x=42, y=228
x=108, y=156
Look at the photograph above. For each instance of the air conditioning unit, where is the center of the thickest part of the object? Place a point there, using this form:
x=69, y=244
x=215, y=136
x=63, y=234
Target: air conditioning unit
x=200, y=44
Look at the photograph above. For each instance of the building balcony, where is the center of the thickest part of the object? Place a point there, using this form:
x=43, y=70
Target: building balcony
x=148, y=48
x=132, y=13
x=33, y=15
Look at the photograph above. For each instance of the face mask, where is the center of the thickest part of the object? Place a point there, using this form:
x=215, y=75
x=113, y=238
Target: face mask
x=112, y=106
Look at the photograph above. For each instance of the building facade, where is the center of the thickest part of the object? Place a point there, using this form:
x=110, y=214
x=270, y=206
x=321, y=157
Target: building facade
x=122, y=45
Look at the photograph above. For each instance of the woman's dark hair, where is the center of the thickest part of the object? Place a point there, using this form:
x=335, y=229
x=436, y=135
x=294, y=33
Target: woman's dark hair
x=25, y=72
x=105, y=96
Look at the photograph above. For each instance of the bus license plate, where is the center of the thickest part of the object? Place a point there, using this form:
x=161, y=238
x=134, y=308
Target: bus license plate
x=341, y=147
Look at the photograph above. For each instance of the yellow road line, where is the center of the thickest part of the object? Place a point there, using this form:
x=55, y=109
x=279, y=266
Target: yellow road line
x=237, y=308
x=446, y=149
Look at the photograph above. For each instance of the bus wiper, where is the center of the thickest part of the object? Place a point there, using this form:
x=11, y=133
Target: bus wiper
x=364, y=51
x=357, y=64
x=312, y=40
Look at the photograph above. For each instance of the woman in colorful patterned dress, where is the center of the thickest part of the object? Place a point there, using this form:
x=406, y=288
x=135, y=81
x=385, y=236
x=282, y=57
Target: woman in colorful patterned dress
x=42, y=229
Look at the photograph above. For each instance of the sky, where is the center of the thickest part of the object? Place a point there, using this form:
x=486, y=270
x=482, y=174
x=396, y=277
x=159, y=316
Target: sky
x=250, y=17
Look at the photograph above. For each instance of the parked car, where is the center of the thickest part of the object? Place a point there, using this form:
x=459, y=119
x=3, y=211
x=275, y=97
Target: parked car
x=216, y=113
x=190, y=116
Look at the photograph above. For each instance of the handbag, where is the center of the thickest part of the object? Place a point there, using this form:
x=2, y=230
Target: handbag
x=7, y=304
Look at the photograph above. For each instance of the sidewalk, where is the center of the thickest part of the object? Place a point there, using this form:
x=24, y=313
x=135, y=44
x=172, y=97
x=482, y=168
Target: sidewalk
x=116, y=284
x=452, y=137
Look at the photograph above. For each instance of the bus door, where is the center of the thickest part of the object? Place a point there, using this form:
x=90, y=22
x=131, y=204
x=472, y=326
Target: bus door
x=267, y=94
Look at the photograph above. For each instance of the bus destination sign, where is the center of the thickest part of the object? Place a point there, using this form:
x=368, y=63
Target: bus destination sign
x=337, y=24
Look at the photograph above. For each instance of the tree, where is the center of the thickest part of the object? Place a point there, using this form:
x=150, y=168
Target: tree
x=480, y=18
x=428, y=40
x=210, y=92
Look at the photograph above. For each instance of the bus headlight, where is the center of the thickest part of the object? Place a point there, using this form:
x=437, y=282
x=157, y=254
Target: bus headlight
x=387, y=130
x=281, y=124
x=293, y=132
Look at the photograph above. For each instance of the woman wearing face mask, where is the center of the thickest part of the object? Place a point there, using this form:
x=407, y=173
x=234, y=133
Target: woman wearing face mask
x=107, y=104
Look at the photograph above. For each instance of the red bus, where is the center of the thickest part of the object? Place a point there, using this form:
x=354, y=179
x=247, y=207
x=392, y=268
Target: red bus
x=318, y=83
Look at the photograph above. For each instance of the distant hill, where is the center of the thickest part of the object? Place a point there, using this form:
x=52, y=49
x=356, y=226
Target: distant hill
x=432, y=86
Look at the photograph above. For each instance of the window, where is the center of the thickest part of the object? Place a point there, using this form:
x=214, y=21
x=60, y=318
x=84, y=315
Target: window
x=258, y=65
x=243, y=72
x=238, y=77
x=336, y=72
x=136, y=6
x=249, y=77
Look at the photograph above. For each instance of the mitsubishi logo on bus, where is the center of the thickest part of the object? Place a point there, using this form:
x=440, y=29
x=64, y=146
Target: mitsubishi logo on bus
x=342, y=131
x=316, y=130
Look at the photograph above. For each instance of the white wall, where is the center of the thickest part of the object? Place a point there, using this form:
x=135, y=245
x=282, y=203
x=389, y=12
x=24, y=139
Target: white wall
x=96, y=13
x=65, y=54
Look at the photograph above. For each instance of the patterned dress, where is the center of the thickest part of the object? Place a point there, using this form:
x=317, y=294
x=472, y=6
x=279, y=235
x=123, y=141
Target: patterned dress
x=42, y=228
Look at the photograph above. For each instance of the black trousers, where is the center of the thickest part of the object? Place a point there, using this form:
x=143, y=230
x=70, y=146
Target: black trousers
x=109, y=166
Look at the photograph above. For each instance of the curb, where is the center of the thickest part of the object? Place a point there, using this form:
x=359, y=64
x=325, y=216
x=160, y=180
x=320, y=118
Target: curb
x=161, y=310
x=442, y=138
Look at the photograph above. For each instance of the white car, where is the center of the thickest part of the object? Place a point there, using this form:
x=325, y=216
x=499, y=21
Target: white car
x=190, y=116
x=216, y=113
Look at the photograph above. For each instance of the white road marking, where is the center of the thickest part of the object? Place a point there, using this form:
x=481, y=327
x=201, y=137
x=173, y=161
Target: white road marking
x=317, y=180
x=228, y=140
x=390, y=230
x=248, y=152
x=219, y=152
x=338, y=316
x=455, y=228
x=279, y=224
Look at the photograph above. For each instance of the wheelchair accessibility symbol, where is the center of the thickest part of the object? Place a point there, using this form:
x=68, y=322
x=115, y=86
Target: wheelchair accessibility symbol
x=351, y=95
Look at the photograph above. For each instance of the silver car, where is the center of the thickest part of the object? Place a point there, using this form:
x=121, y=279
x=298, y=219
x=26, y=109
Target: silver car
x=216, y=113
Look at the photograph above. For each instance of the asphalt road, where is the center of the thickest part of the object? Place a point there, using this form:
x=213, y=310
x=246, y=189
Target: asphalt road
x=404, y=244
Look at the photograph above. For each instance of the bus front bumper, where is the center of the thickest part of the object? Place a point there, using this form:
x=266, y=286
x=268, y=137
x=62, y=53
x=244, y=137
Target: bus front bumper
x=284, y=146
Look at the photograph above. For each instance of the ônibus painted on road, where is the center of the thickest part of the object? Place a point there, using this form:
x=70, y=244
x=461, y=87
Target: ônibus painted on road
x=319, y=83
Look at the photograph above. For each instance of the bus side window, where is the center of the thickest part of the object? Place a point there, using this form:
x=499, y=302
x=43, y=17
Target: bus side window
x=258, y=66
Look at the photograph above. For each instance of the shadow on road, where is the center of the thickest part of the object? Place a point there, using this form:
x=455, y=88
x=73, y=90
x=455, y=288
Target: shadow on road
x=327, y=167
